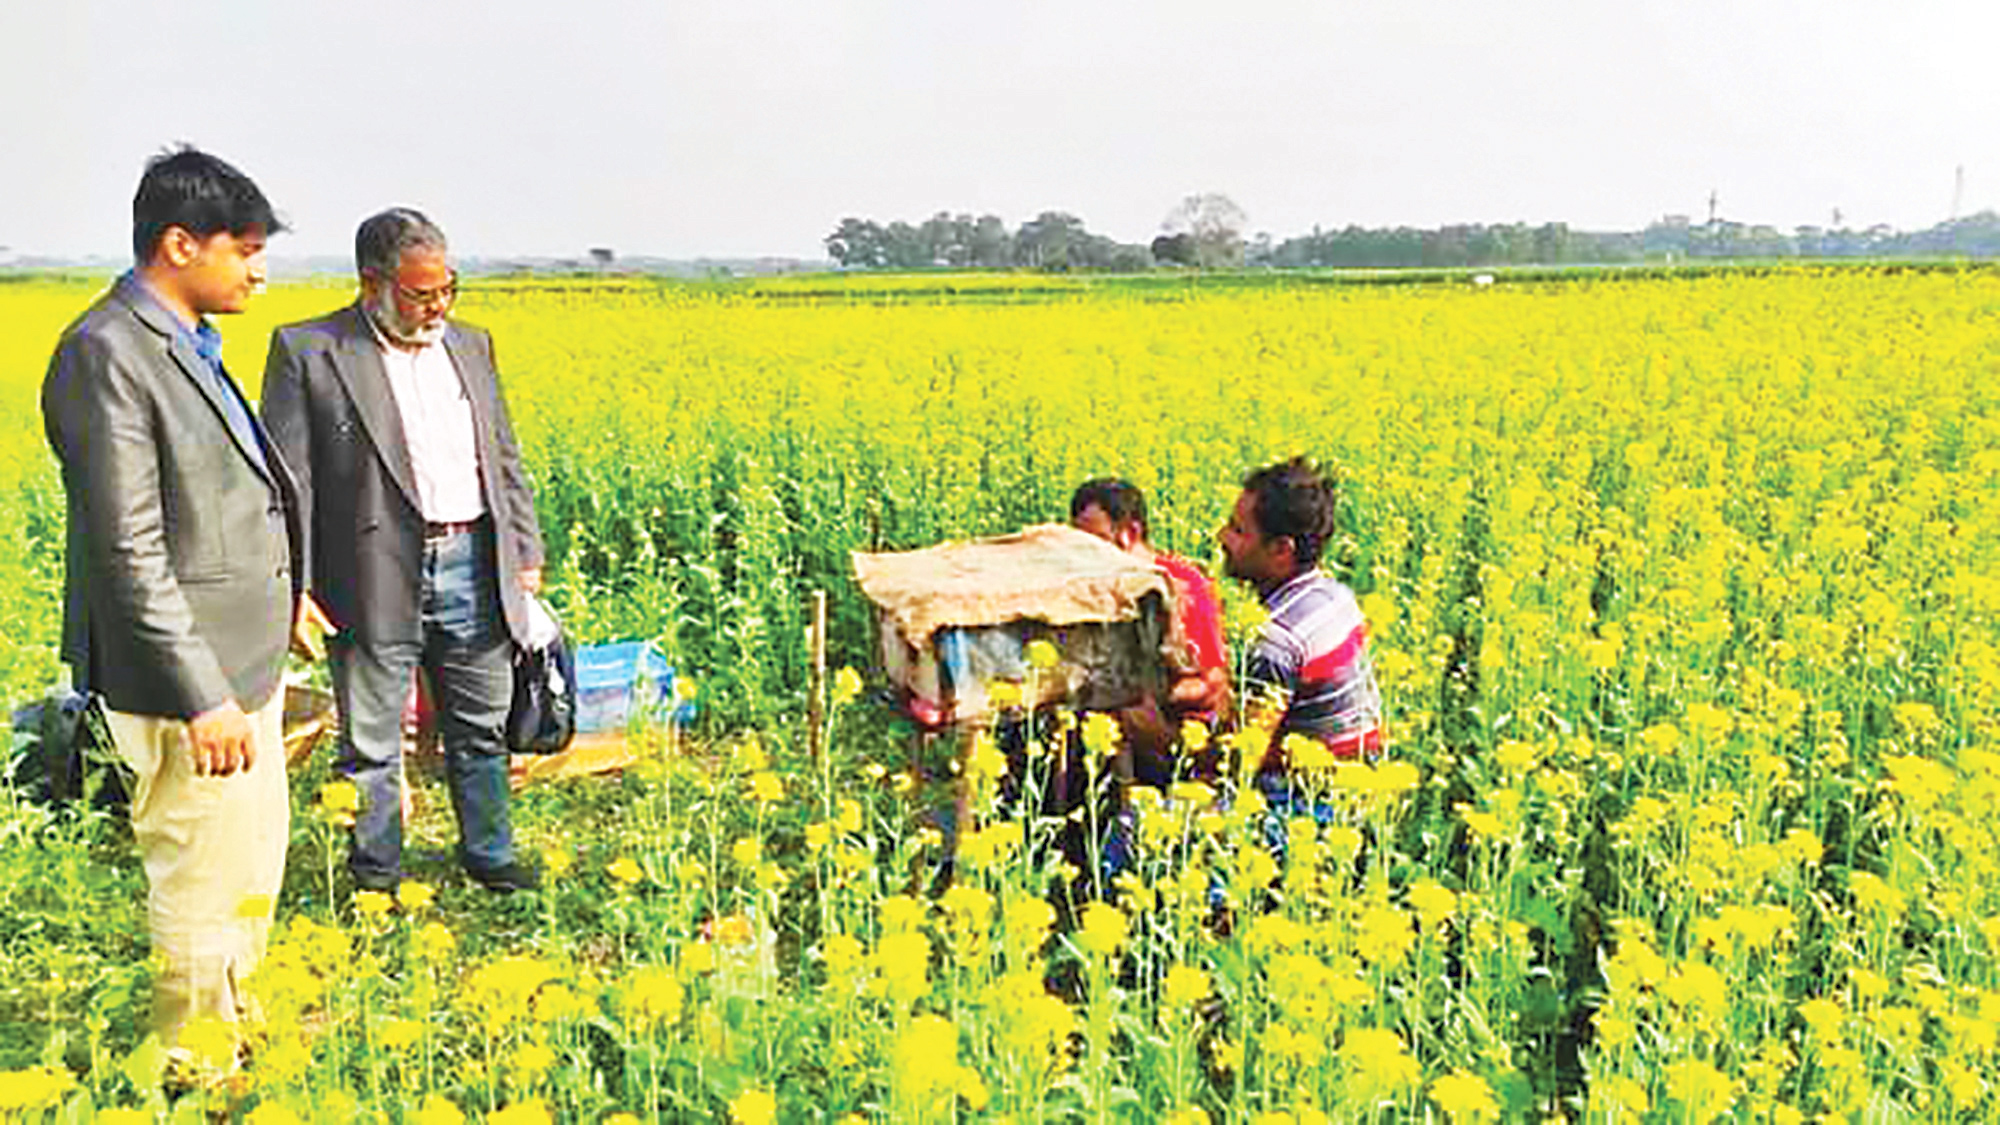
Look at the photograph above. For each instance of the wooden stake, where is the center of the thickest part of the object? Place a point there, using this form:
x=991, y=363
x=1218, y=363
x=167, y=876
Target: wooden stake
x=816, y=701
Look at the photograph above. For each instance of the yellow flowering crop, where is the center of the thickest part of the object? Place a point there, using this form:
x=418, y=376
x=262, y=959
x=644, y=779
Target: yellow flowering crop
x=1680, y=593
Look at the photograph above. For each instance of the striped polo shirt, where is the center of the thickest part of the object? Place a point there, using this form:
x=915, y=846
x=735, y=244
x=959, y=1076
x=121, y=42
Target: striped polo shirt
x=1314, y=650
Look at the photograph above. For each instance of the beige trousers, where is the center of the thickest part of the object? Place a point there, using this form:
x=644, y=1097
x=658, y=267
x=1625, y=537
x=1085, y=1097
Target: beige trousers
x=214, y=852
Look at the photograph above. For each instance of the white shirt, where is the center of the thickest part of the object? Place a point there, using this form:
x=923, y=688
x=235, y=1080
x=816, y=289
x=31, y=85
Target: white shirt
x=437, y=427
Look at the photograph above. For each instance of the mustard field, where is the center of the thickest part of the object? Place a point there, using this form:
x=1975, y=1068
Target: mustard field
x=1685, y=595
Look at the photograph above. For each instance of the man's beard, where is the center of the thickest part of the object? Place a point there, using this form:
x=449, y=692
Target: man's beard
x=390, y=323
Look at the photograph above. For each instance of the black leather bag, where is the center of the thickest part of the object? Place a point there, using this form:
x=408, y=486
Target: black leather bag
x=62, y=754
x=542, y=719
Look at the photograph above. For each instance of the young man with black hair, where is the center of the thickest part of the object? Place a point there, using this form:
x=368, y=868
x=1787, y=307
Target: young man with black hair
x=183, y=574
x=1309, y=664
x=1115, y=510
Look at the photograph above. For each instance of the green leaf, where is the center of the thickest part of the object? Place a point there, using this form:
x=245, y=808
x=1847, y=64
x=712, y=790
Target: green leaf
x=146, y=1064
x=1544, y=915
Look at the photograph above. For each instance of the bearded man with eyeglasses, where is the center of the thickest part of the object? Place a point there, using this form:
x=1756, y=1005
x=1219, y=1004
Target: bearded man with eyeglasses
x=421, y=534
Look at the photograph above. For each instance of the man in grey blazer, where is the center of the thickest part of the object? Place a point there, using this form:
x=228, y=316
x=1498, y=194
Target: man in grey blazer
x=424, y=545
x=183, y=570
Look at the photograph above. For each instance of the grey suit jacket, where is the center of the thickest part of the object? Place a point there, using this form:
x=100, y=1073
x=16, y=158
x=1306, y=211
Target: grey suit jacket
x=329, y=408
x=183, y=552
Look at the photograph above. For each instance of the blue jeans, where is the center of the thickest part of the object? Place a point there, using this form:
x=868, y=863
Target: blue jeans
x=465, y=651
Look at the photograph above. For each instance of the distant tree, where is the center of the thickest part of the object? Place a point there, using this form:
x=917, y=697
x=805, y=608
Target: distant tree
x=992, y=245
x=602, y=256
x=1052, y=240
x=1670, y=237
x=1126, y=257
x=1043, y=242
x=906, y=246
x=1448, y=246
x=1462, y=245
x=1260, y=251
x=1086, y=251
x=948, y=238
x=1058, y=241
x=1175, y=250
x=858, y=244
x=1216, y=224
x=1552, y=243
x=1977, y=235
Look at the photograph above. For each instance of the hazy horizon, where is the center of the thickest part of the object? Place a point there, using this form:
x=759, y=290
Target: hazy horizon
x=749, y=128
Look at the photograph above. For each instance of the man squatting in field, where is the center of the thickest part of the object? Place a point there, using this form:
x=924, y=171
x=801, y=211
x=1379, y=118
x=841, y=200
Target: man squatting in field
x=424, y=545
x=181, y=578
x=1312, y=651
x=1115, y=511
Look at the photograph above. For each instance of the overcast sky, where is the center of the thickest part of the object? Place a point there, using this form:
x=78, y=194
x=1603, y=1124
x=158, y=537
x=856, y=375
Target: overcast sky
x=748, y=127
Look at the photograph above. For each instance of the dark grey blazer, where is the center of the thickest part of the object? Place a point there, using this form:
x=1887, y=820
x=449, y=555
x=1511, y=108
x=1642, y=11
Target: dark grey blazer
x=328, y=406
x=184, y=555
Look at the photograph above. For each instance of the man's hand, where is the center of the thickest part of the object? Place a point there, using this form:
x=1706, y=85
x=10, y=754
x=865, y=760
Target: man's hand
x=310, y=629
x=219, y=740
x=1204, y=691
x=531, y=579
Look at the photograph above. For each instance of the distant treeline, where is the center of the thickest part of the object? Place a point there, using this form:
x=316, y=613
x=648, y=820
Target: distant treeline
x=1056, y=240
x=1051, y=240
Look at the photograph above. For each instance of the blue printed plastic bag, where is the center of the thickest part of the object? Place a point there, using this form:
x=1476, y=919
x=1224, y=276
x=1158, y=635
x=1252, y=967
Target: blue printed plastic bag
x=618, y=683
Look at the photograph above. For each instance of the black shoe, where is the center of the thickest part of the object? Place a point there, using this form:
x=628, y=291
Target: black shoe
x=384, y=881
x=507, y=878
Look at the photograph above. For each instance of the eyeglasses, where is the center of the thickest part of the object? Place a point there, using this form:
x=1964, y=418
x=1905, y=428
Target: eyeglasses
x=441, y=295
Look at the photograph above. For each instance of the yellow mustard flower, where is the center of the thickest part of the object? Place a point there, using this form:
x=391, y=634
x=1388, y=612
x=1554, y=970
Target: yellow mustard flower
x=753, y=1107
x=653, y=996
x=399, y=1035
x=847, y=814
x=1377, y=1062
x=273, y=1113
x=415, y=897
x=373, y=904
x=436, y=941
x=530, y=1111
x=1185, y=987
x=34, y=1088
x=1704, y=1092
x=624, y=870
x=1100, y=734
x=846, y=687
x=1465, y=1098
x=697, y=957
x=1103, y=930
x=339, y=801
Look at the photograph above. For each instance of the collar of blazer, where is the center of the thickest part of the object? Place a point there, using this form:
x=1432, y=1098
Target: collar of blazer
x=367, y=381
x=180, y=345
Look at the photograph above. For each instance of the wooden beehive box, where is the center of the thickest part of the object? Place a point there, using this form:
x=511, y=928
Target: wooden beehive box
x=957, y=617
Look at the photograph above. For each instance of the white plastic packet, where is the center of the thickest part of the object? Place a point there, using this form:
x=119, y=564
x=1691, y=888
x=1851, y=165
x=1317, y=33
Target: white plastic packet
x=542, y=627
